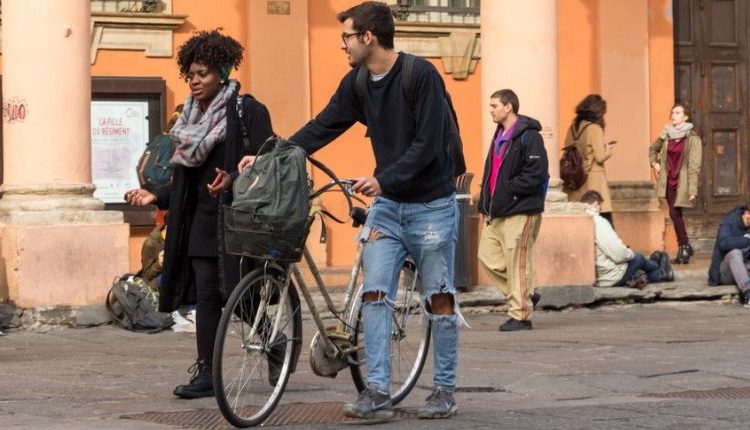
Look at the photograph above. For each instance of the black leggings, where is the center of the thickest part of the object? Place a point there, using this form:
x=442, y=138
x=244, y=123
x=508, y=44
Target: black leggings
x=208, y=310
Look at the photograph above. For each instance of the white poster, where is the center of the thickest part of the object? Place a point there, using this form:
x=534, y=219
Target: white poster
x=119, y=132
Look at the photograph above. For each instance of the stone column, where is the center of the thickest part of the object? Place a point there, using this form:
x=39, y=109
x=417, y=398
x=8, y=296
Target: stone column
x=58, y=246
x=519, y=52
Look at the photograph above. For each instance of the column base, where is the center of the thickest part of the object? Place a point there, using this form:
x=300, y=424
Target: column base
x=638, y=220
x=564, y=250
x=58, y=247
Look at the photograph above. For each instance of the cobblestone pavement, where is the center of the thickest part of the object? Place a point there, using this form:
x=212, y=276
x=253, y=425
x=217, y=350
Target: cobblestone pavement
x=667, y=365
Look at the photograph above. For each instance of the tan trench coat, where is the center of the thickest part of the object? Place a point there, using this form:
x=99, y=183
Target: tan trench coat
x=595, y=152
x=689, y=170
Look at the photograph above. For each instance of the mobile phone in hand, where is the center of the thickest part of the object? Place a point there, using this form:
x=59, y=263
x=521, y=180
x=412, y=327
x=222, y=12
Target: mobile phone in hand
x=217, y=180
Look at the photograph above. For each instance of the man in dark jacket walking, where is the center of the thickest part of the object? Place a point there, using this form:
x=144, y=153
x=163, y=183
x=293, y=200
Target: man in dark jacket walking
x=732, y=252
x=514, y=185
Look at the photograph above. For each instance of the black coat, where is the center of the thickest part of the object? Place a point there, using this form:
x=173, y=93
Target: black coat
x=523, y=177
x=180, y=197
x=731, y=235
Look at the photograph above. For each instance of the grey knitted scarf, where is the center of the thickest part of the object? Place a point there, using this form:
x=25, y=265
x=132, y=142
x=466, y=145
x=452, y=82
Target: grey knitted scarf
x=670, y=132
x=198, y=132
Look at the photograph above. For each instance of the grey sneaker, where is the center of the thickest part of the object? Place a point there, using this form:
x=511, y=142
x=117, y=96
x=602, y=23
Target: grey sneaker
x=371, y=403
x=745, y=298
x=440, y=404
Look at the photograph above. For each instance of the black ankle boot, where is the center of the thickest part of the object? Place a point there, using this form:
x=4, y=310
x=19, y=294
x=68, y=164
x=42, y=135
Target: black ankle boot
x=682, y=255
x=201, y=382
x=686, y=251
x=667, y=274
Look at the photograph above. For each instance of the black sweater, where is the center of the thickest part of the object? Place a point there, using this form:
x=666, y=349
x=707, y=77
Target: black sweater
x=411, y=161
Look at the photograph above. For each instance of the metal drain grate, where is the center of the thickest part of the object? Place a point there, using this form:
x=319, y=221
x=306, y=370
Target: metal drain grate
x=729, y=393
x=293, y=413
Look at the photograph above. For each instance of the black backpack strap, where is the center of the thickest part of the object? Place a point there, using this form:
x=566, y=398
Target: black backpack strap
x=240, y=114
x=577, y=133
x=407, y=79
x=360, y=83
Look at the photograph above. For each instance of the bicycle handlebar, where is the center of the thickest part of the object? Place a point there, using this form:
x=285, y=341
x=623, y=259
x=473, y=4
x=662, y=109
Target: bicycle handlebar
x=345, y=186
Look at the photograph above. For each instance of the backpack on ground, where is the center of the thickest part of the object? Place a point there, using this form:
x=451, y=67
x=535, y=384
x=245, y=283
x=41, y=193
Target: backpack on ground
x=572, y=172
x=268, y=218
x=455, y=148
x=153, y=167
x=133, y=305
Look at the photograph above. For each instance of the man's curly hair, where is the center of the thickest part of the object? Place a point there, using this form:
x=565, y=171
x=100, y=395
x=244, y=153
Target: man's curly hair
x=211, y=48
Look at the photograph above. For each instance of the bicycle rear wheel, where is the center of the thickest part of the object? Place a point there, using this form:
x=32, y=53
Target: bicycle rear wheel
x=255, y=344
x=410, y=337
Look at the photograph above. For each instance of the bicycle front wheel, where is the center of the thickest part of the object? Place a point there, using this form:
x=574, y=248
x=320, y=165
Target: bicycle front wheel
x=254, y=349
x=410, y=337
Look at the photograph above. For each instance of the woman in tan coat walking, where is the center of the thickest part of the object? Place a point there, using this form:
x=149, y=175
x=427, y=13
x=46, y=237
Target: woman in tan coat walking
x=587, y=133
x=676, y=158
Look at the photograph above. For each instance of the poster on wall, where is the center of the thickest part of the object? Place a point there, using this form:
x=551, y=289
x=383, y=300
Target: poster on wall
x=119, y=132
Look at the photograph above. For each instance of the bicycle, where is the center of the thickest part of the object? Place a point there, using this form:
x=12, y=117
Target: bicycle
x=258, y=341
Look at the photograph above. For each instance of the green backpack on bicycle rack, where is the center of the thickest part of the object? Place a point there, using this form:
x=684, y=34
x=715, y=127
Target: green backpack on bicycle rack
x=268, y=218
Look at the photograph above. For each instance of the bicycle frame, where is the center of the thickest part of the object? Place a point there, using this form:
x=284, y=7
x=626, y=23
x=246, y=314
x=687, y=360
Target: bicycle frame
x=331, y=348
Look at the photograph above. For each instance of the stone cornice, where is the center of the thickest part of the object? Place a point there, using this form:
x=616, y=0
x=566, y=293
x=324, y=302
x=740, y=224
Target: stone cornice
x=149, y=32
x=456, y=45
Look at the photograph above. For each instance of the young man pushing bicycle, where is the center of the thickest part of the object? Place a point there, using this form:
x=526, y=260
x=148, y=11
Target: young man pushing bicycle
x=414, y=211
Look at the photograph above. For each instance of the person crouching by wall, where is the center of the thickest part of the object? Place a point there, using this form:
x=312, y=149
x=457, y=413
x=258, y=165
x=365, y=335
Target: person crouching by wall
x=676, y=158
x=616, y=264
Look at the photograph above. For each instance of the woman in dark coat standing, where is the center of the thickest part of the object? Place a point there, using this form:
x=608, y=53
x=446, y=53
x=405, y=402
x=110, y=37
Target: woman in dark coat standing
x=210, y=145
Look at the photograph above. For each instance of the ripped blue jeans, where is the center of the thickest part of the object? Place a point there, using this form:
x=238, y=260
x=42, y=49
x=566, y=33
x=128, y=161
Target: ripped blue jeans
x=427, y=232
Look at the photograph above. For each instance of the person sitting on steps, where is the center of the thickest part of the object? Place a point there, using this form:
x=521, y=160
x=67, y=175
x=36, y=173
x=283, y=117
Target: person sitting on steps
x=732, y=252
x=616, y=264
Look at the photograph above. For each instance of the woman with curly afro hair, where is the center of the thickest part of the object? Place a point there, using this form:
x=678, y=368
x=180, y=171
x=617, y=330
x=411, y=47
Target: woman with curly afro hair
x=209, y=135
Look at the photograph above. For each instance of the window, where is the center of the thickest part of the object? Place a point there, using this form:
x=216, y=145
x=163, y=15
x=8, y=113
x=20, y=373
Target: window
x=452, y=12
x=130, y=6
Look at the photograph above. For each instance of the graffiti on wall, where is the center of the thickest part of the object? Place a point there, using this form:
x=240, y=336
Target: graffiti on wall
x=15, y=110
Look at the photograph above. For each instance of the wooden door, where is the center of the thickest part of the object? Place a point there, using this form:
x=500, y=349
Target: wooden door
x=711, y=62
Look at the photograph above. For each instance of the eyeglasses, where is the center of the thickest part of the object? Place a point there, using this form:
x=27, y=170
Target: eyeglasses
x=345, y=36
